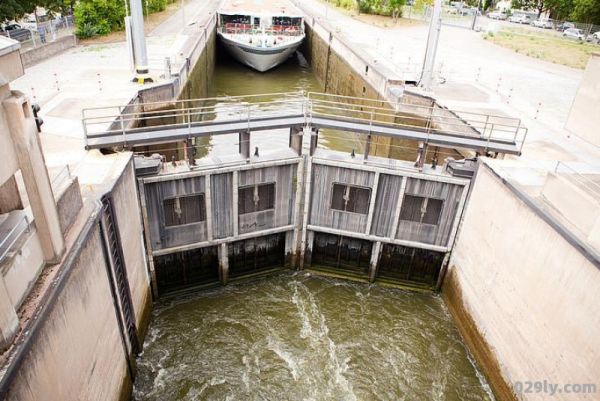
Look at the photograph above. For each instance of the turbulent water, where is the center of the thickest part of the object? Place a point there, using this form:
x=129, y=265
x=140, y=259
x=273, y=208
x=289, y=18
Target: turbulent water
x=300, y=337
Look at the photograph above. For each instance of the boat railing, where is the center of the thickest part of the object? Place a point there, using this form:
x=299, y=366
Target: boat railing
x=280, y=30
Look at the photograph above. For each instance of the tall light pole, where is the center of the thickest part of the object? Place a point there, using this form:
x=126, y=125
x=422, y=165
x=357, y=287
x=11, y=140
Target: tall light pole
x=435, y=25
x=140, y=54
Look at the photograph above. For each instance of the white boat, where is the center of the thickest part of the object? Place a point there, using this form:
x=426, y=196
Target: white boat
x=260, y=33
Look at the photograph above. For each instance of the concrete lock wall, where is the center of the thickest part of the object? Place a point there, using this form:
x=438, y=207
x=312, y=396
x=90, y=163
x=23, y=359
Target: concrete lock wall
x=34, y=56
x=524, y=298
x=76, y=347
x=77, y=352
x=129, y=220
x=340, y=71
x=584, y=118
x=22, y=271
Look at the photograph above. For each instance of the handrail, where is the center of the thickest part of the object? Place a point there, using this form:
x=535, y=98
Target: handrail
x=7, y=243
x=588, y=184
x=107, y=121
x=63, y=175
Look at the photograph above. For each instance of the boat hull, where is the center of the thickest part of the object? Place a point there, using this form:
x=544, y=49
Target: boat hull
x=259, y=58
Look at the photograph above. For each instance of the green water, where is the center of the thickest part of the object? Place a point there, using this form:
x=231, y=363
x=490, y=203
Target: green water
x=234, y=79
x=300, y=337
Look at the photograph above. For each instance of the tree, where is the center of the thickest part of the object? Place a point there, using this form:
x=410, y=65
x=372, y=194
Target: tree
x=557, y=8
x=586, y=11
x=396, y=8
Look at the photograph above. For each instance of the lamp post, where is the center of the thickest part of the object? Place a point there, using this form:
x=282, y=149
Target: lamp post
x=140, y=54
x=435, y=25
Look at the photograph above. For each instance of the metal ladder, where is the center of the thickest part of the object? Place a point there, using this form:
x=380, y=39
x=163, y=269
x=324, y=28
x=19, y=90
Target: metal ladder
x=120, y=279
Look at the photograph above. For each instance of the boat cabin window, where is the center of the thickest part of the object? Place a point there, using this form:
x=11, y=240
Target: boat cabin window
x=287, y=21
x=235, y=19
x=185, y=209
x=256, y=21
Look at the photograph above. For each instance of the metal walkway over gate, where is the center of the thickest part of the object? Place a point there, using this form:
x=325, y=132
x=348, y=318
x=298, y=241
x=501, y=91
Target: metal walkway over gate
x=164, y=122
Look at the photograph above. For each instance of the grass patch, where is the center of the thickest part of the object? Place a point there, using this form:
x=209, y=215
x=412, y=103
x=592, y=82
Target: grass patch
x=545, y=46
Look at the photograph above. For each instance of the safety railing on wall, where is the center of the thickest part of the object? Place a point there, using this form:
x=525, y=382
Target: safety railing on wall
x=107, y=121
x=430, y=119
x=580, y=179
x=110, y=121
x=13, y=233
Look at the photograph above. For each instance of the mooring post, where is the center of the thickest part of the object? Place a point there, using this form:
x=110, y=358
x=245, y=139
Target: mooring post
x=223, y=264
x=244, y=144
x=296, y=139
x=375, y=253
x=314, y=140
x=368, y=146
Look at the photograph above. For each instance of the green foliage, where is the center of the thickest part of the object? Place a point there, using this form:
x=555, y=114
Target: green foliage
x=587, y=11
x=152, y=6
x=99, y=17
x=347, y=4
x=381, y=7
x=420, y=5
x=13, y=9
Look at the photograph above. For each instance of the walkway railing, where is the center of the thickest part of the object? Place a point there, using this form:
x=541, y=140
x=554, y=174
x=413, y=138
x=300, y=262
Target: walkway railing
x=590, y=186
x=110, y=121
x=10, y=238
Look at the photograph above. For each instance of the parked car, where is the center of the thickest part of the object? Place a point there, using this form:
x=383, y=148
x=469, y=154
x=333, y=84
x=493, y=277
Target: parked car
x=574, y=33
x=16, y=32
x=564, y=26
x=497, y=15
x=545, y=23
x=520, y=19
x=594, y=37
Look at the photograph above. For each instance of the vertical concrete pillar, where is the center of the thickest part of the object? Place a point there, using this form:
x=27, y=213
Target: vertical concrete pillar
x=307, y=151
x=289, y=249
x=375, y=253
x=394, y=223
x=208, y=202
x=371, y=210
x=24, y=134
x=244, y=145
x=223, y=264
x=235, y=180
x=307, y=256
x=9, y=322
x=296, y=140
x=297, y=217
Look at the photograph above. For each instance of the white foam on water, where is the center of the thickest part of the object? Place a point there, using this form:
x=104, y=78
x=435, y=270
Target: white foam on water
x=277, y=347
x=314, y=328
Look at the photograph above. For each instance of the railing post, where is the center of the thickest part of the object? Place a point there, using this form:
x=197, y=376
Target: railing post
x=487, y=145
x=248, y=117
x=487, y=120
x=517, y=132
